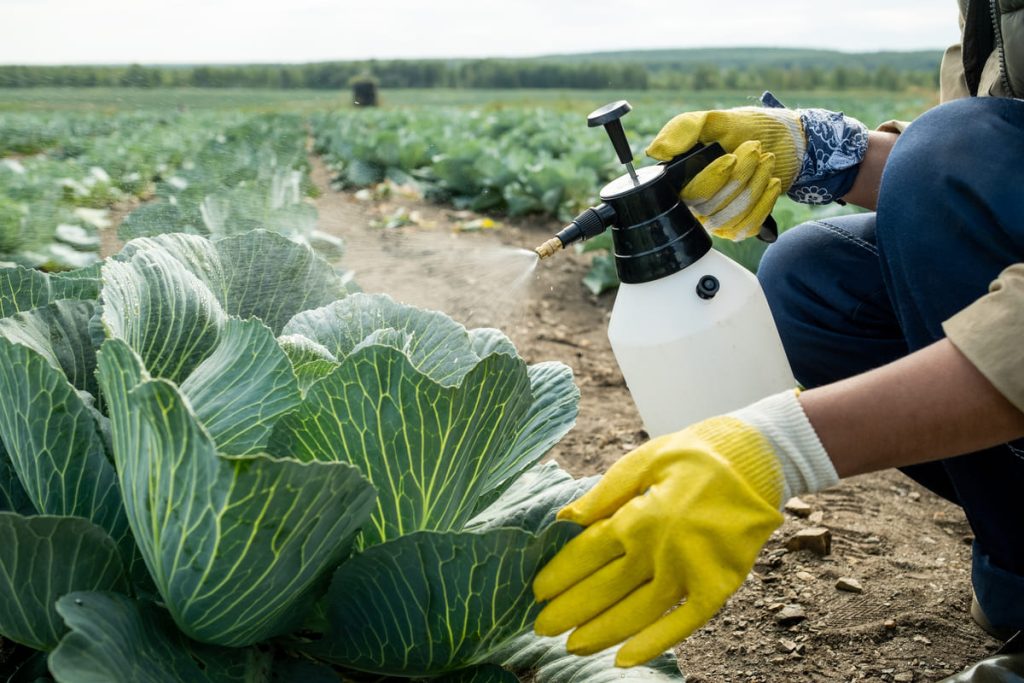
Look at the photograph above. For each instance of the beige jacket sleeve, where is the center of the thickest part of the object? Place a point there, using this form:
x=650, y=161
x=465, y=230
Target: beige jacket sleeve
x=990, y=332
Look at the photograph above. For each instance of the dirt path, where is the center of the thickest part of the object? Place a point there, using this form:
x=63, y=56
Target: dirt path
x=908, y=549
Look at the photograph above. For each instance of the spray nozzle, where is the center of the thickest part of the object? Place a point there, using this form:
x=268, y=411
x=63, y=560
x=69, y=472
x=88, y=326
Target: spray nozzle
x=590, y=223
x=549, y=248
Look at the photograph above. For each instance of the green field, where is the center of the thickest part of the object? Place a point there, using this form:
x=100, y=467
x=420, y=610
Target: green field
x=870, y=106
x=220, y=161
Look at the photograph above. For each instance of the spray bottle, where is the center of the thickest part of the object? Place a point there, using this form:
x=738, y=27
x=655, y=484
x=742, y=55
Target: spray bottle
x=690, y=328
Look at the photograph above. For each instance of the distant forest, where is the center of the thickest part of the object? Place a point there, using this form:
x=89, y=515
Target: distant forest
x=697, y=69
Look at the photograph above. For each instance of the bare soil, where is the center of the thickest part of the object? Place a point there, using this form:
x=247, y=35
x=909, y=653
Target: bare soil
x=909, y=549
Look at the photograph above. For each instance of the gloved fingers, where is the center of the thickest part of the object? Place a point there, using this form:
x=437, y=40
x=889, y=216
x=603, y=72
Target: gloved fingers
x=623, y=481
x=667, y=632
x=724, y=221
x=725, y=208
x=678, y=135
x=630, y=616
x=711, y=180
x=581, y=557
x=749, y=161
x=593, y=595
x=748, y=224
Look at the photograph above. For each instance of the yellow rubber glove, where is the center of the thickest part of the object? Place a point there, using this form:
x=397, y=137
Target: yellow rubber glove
x=736, y=192
x=682, y=517
x=811, y=154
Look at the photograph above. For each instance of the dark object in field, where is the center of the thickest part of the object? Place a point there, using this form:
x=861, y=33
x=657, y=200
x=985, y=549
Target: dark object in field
x=364, y=91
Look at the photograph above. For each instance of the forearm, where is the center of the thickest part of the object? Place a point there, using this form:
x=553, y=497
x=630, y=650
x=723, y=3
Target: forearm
x=930, y=405
x=864, y=192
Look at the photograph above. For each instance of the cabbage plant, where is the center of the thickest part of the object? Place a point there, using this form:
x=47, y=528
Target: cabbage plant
x=216, y=464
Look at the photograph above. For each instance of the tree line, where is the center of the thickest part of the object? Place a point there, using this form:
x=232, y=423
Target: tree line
x=481, y=73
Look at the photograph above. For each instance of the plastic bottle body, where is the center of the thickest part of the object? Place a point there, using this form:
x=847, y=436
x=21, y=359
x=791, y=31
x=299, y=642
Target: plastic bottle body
x=686, y=357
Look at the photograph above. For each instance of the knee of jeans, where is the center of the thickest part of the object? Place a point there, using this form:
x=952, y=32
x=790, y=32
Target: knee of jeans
x=948, y=172
x=937, y=156
x=782, y=274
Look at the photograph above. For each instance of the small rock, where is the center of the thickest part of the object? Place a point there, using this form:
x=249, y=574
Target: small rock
x=904, y=676
x=775, y=606
x=787, y=645
x=816, y=517
x=851, y=585
x=816, y=539
x=805, y=576
x=790, y=614
x=922, y=639
x=795, y=506
x=914, y=495
x=889, y=623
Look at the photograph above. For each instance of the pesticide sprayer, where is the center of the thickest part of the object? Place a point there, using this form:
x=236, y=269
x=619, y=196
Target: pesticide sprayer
x=690, y=329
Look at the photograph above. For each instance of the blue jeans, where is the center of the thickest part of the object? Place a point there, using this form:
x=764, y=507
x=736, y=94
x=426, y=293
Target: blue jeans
x=855, y=292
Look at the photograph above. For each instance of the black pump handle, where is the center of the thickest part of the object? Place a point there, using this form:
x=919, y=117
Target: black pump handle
x=683, y=168
x=610, y=116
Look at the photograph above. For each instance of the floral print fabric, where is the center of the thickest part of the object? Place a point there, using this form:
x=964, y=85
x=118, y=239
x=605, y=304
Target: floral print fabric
x=836, y=144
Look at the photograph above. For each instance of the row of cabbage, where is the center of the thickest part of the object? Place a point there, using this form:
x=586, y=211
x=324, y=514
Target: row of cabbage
x=243, y=472
x=516, y=161
x=61, y=174
x=250, y=175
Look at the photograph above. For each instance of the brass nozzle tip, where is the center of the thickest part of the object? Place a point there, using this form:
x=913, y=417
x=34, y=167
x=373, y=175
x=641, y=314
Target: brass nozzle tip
x=549, y=248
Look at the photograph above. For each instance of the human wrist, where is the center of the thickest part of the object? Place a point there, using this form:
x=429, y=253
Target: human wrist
x=805, y=464
x=864, y=191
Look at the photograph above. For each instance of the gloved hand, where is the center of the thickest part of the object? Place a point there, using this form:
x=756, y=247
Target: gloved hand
x=812, y=154
x=683, y=516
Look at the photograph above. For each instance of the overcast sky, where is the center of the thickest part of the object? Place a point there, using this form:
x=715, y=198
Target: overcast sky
x=223, y=31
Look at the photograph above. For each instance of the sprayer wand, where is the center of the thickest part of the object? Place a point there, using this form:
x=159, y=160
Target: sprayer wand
x=590, y=223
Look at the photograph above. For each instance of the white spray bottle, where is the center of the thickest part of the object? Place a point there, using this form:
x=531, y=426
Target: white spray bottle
x=690, y=329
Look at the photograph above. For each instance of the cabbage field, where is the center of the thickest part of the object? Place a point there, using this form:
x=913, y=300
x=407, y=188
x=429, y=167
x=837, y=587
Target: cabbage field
x=219, y=460
x=68, y=173
x=63, y=175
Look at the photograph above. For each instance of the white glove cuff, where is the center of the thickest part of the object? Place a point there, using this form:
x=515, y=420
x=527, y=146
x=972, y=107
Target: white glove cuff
x=806, y=467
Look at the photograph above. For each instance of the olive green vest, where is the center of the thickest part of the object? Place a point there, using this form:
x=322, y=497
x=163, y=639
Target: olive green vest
x=990, y=57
